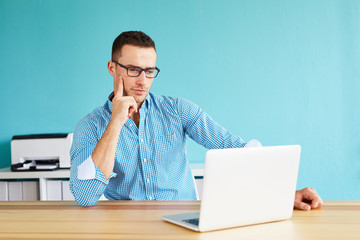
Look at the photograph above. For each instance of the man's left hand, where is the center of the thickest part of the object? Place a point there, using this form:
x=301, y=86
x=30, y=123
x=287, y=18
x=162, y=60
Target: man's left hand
x=307, y=199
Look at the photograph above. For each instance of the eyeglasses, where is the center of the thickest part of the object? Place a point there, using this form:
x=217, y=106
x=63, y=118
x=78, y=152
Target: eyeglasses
x=136, y=71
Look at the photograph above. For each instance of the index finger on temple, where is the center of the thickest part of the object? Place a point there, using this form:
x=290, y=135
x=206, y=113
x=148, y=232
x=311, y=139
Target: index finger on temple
x=119, y=91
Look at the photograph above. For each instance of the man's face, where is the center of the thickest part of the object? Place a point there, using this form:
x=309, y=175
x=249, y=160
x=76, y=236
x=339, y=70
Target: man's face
x=132, y=56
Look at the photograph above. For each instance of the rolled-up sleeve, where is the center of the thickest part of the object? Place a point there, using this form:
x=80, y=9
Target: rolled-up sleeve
x=87, y=182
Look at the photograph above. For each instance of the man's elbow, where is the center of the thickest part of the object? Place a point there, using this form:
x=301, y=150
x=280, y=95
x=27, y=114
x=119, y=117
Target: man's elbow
x=85, y=202
x=83, y=198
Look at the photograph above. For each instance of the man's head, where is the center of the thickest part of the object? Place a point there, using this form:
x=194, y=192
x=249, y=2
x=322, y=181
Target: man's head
x=133, y=50
x=134, y=38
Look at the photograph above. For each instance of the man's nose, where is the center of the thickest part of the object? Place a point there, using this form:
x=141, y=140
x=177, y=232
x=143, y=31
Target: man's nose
x=142, y=78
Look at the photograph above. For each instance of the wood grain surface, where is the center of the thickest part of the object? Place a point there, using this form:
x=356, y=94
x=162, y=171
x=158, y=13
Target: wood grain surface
x=142, y=220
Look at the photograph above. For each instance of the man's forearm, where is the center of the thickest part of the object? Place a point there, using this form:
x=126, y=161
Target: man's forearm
x=104, y=152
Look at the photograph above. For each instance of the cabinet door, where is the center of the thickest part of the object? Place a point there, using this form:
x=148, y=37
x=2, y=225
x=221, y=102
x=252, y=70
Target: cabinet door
x=54, y=190
x=4, y=193
x=15, y=191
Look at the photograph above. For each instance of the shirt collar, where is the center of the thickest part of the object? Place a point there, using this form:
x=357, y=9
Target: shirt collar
x=147, y=101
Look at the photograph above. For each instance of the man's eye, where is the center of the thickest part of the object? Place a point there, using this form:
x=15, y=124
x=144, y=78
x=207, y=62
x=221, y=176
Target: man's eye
x=134, y=70
x=150, y=71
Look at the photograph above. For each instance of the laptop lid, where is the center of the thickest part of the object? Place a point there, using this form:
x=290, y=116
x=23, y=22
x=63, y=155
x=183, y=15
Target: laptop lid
x=244, y=186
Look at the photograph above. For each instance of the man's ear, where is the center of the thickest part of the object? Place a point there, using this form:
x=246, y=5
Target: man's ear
x=111, y=68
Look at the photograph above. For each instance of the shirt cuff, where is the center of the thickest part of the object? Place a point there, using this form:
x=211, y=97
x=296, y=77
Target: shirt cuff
x=87, y=170
x=253, y=143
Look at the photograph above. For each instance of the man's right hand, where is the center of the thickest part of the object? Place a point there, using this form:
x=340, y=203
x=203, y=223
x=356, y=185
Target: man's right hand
x=123, y=106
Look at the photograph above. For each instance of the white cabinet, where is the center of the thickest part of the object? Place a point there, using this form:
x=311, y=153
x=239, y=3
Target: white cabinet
x=32, y=184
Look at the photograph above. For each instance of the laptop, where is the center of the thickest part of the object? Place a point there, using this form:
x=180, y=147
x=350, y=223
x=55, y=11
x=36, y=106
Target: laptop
x=245, y=186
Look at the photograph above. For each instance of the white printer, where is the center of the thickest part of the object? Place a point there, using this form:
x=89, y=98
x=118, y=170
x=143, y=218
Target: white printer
x=41, y=152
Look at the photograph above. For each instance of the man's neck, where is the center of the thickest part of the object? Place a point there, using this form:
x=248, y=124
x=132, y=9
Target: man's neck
x=136, y=118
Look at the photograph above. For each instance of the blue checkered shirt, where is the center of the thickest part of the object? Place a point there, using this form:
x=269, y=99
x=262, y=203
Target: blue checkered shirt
x=150, y=160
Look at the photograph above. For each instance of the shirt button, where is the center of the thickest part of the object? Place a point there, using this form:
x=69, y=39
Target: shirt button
x=150, y=198
x=147, y=180
x=130, y=125
x=142, y=140
x=144, y=159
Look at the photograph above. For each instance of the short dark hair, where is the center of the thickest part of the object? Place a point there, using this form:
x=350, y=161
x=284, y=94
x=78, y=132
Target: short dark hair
x=135, y=38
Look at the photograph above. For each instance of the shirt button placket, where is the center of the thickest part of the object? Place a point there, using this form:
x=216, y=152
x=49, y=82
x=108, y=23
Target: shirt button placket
x=145, y=167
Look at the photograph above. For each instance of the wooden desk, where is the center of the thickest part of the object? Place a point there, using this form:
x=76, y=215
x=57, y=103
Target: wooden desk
x=142, y=220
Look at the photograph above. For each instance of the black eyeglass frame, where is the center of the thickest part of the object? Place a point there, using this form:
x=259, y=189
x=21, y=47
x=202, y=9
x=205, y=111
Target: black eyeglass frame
x=142, y=70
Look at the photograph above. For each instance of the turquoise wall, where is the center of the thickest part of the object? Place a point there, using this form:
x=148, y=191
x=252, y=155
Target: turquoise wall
x=283, y=72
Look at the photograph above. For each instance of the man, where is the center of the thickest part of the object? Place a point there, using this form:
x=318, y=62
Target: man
x=134, y=147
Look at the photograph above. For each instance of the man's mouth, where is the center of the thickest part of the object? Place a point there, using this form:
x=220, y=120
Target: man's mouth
x=139, y=91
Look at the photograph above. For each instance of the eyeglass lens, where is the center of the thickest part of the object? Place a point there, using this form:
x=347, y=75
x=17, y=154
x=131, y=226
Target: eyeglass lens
x=135, y=72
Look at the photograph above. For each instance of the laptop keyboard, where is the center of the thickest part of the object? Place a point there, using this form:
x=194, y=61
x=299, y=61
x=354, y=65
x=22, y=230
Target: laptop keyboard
x=193, y=221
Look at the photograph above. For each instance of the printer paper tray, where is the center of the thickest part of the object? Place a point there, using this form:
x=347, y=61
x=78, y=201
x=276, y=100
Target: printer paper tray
x=34, y=165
